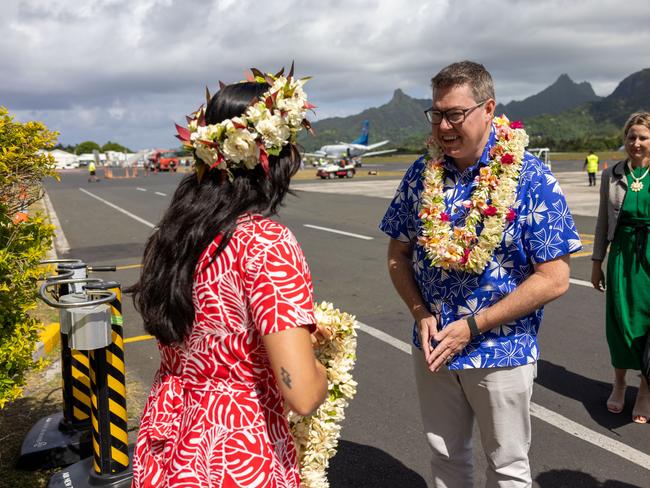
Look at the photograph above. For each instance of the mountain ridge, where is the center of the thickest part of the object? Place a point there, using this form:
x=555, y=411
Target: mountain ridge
x=563, y=94
x=563, y=111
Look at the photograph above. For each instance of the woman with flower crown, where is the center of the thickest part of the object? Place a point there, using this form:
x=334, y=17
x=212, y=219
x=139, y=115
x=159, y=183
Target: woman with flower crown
x=622, y=225
x=228, y=294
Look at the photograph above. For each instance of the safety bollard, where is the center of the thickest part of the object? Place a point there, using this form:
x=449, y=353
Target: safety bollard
x=108, y=381
x=75, y=365
x=110, y=464
x=64, y=437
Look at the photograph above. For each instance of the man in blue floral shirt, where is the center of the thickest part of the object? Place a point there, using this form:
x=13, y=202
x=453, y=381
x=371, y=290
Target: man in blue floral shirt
x=477, y=311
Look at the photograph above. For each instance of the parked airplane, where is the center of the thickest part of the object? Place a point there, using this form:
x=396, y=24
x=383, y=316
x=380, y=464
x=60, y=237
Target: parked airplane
x=351, y=150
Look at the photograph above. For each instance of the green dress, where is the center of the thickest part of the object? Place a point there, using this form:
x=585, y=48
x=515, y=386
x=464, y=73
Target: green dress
x=628, y=278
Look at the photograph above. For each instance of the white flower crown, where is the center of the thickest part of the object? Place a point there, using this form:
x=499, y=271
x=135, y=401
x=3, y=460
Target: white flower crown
x=266, y=126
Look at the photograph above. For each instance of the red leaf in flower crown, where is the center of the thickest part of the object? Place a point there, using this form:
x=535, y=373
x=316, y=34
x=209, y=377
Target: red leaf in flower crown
x=269, y=102
x=516, y=124
x=212, y=144
x=308, y=106
x=490, y=210
x=444, y=216
x=237, y=125
x=223, y=176
x=507, y=159
x=307, y=125
x=217, y=162
x=279, y=73
x=256, y=74
x=183, y=133
x=264, y=158
x=465, y=257
x=511, y=215
x=200, y=120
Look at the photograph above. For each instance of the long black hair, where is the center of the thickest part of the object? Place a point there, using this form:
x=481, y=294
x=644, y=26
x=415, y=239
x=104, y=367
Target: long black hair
x=199, y=211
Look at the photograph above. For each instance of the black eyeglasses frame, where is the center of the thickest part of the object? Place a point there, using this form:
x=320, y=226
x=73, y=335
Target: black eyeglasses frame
x=428, y=113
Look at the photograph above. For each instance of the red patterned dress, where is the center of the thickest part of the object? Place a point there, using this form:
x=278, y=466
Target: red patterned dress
x=214, y=417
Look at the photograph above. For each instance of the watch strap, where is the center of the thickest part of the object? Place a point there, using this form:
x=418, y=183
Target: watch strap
x=473, y=327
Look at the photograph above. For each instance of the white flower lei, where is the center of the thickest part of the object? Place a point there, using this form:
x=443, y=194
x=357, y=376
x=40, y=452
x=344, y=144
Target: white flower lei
x=460, y=248
x=265, y=127
x=316, y=436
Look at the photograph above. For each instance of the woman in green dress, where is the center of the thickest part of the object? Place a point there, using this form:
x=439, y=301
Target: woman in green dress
x=623, y=224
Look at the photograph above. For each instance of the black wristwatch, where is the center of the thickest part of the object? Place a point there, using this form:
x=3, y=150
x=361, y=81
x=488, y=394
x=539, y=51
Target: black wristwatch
x=473, y=327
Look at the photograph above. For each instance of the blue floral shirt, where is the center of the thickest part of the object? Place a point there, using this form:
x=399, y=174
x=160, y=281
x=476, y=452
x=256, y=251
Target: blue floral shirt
x=542, y=230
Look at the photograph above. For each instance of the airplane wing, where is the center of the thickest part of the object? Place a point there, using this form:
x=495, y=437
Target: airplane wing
x=320, y=155
x=377, y=153
x=376, y=144
x=362, y=147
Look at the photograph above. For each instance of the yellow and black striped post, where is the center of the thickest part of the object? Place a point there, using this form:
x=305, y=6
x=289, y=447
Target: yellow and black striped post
x=74, y=367
x=108, y=393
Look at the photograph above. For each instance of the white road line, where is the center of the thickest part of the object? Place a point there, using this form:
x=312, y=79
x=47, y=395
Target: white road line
x=576, y=281
x=141, y=189
x=350, y=234
x=60, y=242
x=119, y=209
x=160, y=193
x=588, y=435
x=555, y=419
x=382, y=336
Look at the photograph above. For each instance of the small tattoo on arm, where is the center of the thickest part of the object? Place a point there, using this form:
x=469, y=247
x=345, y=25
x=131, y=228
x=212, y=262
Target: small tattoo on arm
x=286, y=377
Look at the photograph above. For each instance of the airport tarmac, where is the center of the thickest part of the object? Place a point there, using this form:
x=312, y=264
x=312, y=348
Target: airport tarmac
x=582, y=199
x=576, y=442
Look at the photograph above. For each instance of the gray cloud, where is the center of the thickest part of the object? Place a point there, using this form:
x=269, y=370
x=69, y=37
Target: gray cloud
x=125, y=70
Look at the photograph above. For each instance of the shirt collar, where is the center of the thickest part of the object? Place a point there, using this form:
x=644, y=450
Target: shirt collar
x=484, y=160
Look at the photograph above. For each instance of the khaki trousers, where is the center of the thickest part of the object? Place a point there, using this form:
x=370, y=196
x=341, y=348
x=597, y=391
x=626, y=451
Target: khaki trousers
x=499, y=400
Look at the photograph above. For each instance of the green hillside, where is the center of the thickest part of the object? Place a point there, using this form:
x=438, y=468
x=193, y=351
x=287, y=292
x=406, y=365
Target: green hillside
x=401, y=120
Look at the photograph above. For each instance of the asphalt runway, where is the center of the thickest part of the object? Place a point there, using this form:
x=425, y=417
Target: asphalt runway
x=556, y=166
x=576, y=442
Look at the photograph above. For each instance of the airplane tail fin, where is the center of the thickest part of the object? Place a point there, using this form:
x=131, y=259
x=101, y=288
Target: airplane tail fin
x=363, y=137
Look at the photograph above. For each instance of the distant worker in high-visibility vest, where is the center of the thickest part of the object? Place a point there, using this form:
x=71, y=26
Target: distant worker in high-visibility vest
x=591, y=163
x=92, y=172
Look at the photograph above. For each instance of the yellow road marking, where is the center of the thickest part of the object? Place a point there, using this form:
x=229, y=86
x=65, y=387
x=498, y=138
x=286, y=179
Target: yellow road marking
x=581, y=254
x=138, y=338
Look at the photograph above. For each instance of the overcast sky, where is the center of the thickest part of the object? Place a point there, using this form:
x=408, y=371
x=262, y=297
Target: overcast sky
x=125, y=70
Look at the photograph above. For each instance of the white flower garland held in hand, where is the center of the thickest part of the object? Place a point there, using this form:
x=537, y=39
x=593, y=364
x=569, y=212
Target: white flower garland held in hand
x=460, y=248
x=264, y=129
x=316, y=436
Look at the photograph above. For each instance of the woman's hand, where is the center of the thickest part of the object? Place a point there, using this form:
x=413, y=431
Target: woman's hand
x=597, y=276
x=321, y=336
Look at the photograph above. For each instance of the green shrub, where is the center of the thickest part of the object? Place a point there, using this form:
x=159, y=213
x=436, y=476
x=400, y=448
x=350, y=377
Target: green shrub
x=24, y=240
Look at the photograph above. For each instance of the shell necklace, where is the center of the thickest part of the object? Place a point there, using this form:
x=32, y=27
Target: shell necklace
x=636, y=185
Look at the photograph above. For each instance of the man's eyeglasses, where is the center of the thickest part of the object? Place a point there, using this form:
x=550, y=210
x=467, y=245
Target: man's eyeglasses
x=453, y=116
